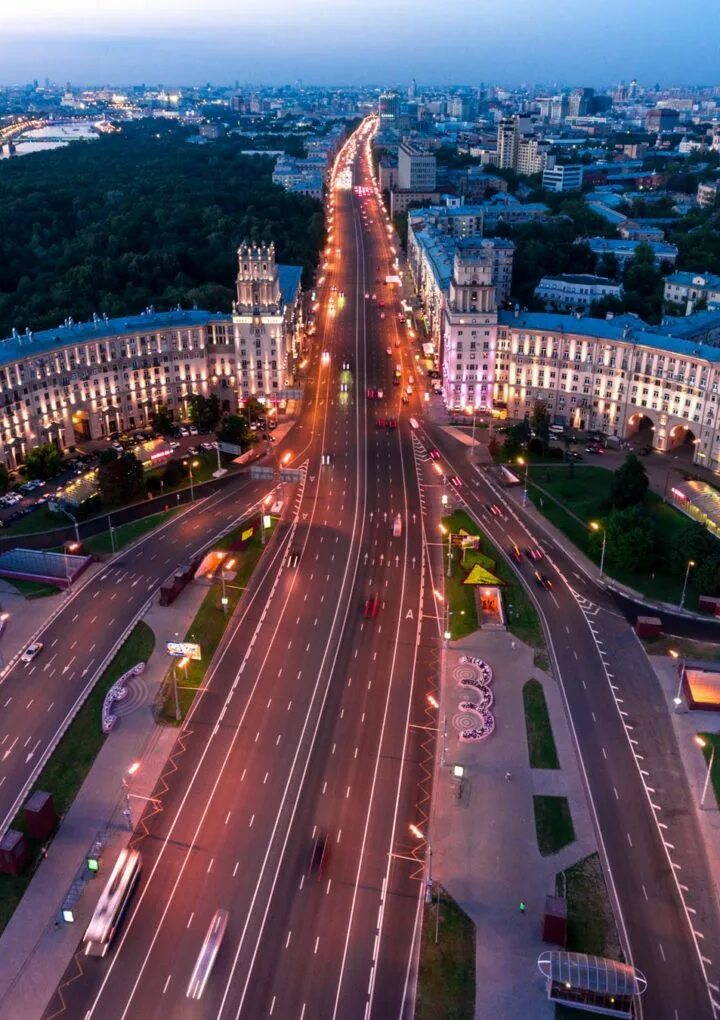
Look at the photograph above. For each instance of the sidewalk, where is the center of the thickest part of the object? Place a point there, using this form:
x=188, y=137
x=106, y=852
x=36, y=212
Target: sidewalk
x=35, y=949
x=686, y=724
x=484, y=843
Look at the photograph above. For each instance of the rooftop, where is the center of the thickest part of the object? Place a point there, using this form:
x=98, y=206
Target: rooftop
x=685, y=279
x=629, y=328
x=24, y=345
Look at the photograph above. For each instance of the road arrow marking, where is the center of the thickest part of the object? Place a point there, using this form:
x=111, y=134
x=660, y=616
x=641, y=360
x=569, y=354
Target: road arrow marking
x=32, y=753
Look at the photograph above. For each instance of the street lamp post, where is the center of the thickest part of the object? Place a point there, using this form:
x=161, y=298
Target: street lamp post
x=69, y=548
x=701, y=742
x=126, y=791
x=691, y=563
x=521, y=461
x=598, y=527
x=191, y=464
x=677, y=700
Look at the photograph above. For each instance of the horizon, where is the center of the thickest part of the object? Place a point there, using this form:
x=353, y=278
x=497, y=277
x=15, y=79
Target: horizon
x=325, y=43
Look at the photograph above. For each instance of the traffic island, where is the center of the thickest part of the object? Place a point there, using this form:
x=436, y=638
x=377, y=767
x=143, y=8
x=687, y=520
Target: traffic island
x=521, y=617
x=186, y=675
x=71, y=761
x=446, y=979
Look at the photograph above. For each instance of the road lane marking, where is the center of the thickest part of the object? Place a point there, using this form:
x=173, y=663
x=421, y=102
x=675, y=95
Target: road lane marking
x=287, y=940
x=190, y=919
x=167, y=982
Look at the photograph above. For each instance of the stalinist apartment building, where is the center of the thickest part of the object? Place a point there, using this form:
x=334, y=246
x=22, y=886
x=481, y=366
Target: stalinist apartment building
x=86, y=380
x=617, y=375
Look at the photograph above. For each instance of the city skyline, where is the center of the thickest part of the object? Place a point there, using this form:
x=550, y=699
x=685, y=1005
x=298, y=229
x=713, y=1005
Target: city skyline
x=185, y=44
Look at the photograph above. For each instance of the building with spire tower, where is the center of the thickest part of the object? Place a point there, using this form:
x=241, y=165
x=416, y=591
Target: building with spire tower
x=266, y=321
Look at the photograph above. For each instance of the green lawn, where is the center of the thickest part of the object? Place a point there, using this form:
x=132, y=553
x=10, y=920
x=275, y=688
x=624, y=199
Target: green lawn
x=712, y=740
x=591, y=924
x=521, y=617
x=209, y=626
x=101, y=545
x=553, y=824
x=446, y=979
x=583, y=498
x=71, y=761
x=541, y=743
x=33, y=589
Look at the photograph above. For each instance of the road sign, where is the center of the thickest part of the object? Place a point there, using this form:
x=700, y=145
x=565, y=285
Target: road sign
x=290, y=475
x=288, y=395
x=258, y=471
x=183, y=649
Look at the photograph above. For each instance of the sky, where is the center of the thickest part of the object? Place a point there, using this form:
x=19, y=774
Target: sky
x=360, y=41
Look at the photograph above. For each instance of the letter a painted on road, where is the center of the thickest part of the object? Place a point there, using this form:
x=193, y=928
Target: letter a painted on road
x=409, y=615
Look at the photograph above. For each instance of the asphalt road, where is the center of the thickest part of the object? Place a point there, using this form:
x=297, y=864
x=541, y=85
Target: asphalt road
x=650, y=841
x=306, y=725
x=37, y=697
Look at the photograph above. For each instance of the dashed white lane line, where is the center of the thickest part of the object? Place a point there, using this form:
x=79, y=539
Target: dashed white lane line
x=167, y=982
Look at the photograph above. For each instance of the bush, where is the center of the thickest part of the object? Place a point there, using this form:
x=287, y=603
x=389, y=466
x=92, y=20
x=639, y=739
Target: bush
x=175, y=471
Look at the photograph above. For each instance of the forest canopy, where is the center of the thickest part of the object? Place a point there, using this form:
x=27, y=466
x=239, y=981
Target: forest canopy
x=138, y=218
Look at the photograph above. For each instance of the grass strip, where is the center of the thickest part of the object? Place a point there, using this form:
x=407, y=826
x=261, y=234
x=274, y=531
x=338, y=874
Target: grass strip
x=446, y=980
x=553, y=824
x=541, y=743
x=72, y=759
x=571, y=500
x=100, y=545
x=209, y=625
x=591, y=924
x=32, y=589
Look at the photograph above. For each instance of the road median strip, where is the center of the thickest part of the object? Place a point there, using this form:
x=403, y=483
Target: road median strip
x=446, y=979
x=180, y=686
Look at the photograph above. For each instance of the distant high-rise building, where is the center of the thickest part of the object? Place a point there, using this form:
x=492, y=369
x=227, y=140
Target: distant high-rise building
x=389, y=107
x=661, y=119
x=506, y=144
x=416, y=168
x=412, y=90
x=580, y=103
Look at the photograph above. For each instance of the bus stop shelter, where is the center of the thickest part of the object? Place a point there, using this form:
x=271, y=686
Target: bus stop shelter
x=591, y=983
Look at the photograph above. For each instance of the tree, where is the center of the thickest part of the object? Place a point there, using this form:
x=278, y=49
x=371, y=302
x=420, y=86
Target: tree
x=234, y=429
x=204, y=411
x=630, y=484
x=43, y=461
x=121, y=479
x=162, y=420
x=175, y=471
x=631, y=540
x=541, y=422
x=4, y=479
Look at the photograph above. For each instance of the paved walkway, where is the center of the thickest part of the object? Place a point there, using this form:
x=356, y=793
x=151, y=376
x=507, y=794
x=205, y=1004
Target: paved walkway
x=686, y=725
x=484, y=846
x=34, y=948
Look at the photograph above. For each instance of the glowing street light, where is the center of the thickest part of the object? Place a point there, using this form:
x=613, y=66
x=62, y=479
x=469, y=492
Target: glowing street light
x=691, y=564
x=433, y=702
x=702, y=743
x=598, y=527
x=417, y=833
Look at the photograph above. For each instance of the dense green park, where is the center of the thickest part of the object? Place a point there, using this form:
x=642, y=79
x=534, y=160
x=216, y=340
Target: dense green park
x=136, y=218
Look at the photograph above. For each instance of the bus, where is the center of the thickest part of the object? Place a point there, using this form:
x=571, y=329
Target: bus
x=208, y=952
x=112, y=903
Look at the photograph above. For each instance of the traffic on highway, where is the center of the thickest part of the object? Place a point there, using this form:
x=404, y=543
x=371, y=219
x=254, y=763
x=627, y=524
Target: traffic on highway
x=278, y=877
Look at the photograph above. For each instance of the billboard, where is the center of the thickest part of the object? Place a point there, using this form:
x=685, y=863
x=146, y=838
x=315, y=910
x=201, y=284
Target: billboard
x=183, y=649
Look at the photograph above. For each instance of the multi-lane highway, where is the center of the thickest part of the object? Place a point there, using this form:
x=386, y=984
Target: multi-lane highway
x=309, y=724
x=38, y=697
x=304, y=727
x=650, y=841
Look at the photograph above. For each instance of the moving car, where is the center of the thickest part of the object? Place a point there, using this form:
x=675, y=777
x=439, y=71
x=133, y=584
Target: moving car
x=534, y=554
x=388, y=351
x=371, y=606
x=543, y=581
x=32, y=651
x=516, y=554
x=318, y=857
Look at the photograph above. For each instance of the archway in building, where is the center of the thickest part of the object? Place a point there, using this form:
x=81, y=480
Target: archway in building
x=682, y=441
x=641, y=430
x=81, y=425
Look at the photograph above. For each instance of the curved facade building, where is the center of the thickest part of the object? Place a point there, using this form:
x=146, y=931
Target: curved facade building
x=86, y=380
